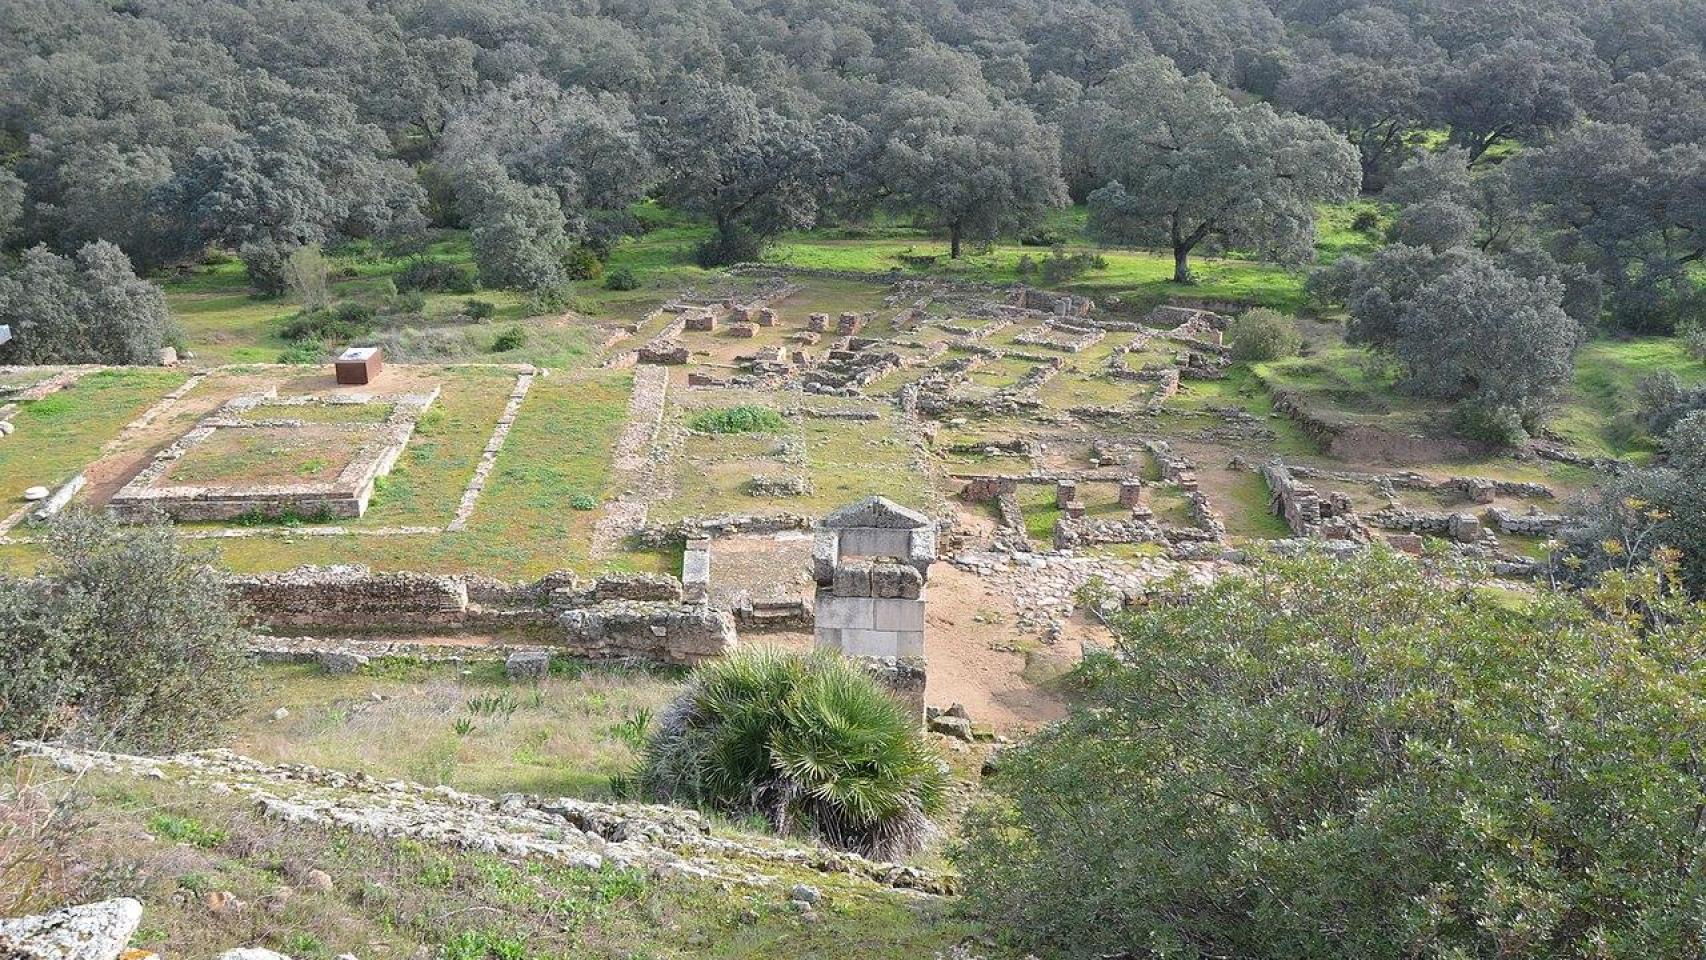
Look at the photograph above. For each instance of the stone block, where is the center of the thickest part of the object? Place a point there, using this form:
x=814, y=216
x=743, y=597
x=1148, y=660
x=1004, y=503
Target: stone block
x=818, y=323
x=825, y=552
x=843, y=613
x=1065, y=492
x=532, y=665
x=1131, y=493
x=906, y=615
x=766, y=317
x=1405, y=543
x=853, y=578
x=1075, y=509
x=745, y=331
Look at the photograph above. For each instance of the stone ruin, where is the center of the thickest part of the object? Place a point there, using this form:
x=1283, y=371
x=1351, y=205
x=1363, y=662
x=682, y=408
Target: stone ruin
x=639, y=616
x=871, y=561
x=1308, y=513
x=376, y=449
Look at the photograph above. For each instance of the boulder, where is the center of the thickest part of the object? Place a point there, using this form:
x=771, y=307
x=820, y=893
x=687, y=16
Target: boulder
x=528, y=665
x=93, y=931
x=33, y=494
x=338, y=661
x=957, y=728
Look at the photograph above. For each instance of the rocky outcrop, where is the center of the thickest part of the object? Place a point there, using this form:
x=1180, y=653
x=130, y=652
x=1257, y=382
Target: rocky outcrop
x=95, y=931
x=553, y=829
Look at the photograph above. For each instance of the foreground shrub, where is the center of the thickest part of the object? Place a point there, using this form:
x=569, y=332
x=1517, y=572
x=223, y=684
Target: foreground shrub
x=808, y=741
x=746, y=418
x=1325, y=760
x=123, y=638
x=1261, y=334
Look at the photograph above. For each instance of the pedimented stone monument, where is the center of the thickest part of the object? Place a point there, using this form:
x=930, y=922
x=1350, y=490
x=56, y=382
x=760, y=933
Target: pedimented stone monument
x=871, y=561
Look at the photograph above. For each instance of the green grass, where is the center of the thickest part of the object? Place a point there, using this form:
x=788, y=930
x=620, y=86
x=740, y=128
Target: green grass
x=61, y=433
x=524, y=525
x=1597, y=417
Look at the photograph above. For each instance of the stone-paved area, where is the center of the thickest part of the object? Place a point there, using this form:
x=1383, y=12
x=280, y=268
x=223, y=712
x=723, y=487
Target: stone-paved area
x=577, y=832
x=1045, y=587
x=633, y=460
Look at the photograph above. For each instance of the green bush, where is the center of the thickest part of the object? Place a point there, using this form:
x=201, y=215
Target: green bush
x=621, y=278
x=344, y=321
x=480, y=309
x=1693, y=334
x=124, y=638
x=746, y=418
x=583, y=263
x=583, y=501
x=1262, y=334
x=438, y=276
x=513, y=338
x=808, y=741
x=1060, y=268
x=1366, y=222
x=305, y=353
x=1349, y=760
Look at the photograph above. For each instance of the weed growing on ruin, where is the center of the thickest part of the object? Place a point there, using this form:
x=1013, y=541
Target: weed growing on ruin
x=745, y=418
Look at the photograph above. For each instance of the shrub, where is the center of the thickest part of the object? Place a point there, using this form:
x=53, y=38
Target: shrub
x=1325, y=759
x=479, y=309
x=808, y=741
x=1693, y=334
x=621, y=278
x=306, y=352
x=1262, y=334
x=264, y=263
x=746, y=418
x=513, y=338
x=124, y=638
x=439, y=276
x=1060, y=268
x=1041, y=237
x=344, y=321
x=583, y=501
x=1366, y=222
x=582, y=263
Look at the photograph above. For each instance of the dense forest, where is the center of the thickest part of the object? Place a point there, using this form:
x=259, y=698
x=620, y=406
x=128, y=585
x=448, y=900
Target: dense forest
x=1563, y=142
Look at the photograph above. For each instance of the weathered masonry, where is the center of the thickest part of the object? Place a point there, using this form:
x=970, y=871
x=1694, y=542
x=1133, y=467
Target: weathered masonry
x=871, y=561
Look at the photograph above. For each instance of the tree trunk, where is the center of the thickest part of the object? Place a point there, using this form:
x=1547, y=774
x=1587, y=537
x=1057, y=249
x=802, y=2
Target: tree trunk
x=1182, y=264
x=953, y=241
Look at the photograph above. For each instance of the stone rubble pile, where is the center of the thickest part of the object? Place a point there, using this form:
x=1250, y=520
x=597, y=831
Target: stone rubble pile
x=1045, y=588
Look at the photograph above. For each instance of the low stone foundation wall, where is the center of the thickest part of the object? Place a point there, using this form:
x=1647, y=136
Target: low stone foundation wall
x=640, y=616
x=664, y=632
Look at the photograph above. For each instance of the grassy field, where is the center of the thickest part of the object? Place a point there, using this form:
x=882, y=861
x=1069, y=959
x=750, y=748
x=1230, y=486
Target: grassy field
x=59, y=434
x=523, y=526
x=471, y=729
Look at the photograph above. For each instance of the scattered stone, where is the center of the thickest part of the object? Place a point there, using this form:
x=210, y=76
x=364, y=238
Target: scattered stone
x=958, y=728
x=318, y=880
x=34, y=494
x=223, y=903
x=252, y=953
x=279, y=714
x=93, y=931
x=804, y=893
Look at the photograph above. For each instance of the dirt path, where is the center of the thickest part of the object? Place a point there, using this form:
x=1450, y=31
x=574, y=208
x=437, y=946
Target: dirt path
x=978, y=655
